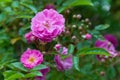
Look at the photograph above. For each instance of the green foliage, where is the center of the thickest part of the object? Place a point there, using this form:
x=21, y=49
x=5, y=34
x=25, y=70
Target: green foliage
x=31, y=7
x=101, y=27
x=19, y=71
x=71, y=3
x=98, y=17
x=18, y=65
x=111, y=73
x=76, y=62
x=89, y=51
x=12, y=75
x=33, y=74
x=71, y=49
x=39, y=67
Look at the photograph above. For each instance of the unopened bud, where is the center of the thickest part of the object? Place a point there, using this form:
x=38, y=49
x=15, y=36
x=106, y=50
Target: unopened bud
x=90, y=23
x=87, y=26
x=43, y=52
x=102, y=73
x=67, y=11
x=102, y=60
x=74, y=26
x=81, y=33
x=74, y=16
x=86, y=20
x=57, y=47
x=80, y=28
x=50, y=6
x=87, y=36
x=67, y=32
x=82, y=24
x=73, y=37
x=78, y=16
x=82, y=21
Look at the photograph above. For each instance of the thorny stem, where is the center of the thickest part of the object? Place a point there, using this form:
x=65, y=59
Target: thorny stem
x=43, y=45
x=37, y=45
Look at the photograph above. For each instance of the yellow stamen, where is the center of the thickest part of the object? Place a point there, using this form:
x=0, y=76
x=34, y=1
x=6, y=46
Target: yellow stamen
x=31, y=59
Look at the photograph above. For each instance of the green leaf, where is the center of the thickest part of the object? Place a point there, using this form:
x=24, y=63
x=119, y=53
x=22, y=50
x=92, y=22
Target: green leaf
x=71, y=49
x=19, y=66
x=76, y=62
x=11, y=75
x=61, y=49
x=25, y=16
x=79, y=46
x=5, y=0
x=1, y=76
x=30, y=7
x=71, y=3
x=81, y=2
x=111, y=73
x=33, y=74
x=59, y=2
x=86, y=51
x=15, y=4
x=39, y=67
x=8, y=73
x=96, y=34
x=4, y=63
x=2, y=17
x=102, y=27
x=86, y=69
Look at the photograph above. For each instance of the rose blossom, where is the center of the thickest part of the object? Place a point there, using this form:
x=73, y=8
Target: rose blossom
x=64, y=51
x=47, y=25
x=30, y=37
x=112, y=39
x=44, y=72
x=108, y=46
x=31, y=58
x=63, y=64
x=57, y=47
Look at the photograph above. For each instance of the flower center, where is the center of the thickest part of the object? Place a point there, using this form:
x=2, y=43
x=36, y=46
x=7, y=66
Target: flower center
x=31, y=59
x=46, y=24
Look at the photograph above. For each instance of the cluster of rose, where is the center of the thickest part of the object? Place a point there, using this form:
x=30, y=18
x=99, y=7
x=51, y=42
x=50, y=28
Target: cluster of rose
x=45, y=27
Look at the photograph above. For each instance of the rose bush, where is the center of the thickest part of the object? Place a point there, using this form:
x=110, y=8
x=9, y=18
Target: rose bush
x=59, y=40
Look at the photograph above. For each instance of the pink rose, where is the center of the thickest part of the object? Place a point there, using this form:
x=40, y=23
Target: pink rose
x=47, y=25
x=30, y=37
x=31, y=58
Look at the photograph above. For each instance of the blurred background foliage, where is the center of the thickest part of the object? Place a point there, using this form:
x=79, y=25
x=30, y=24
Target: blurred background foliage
x=15, y=17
